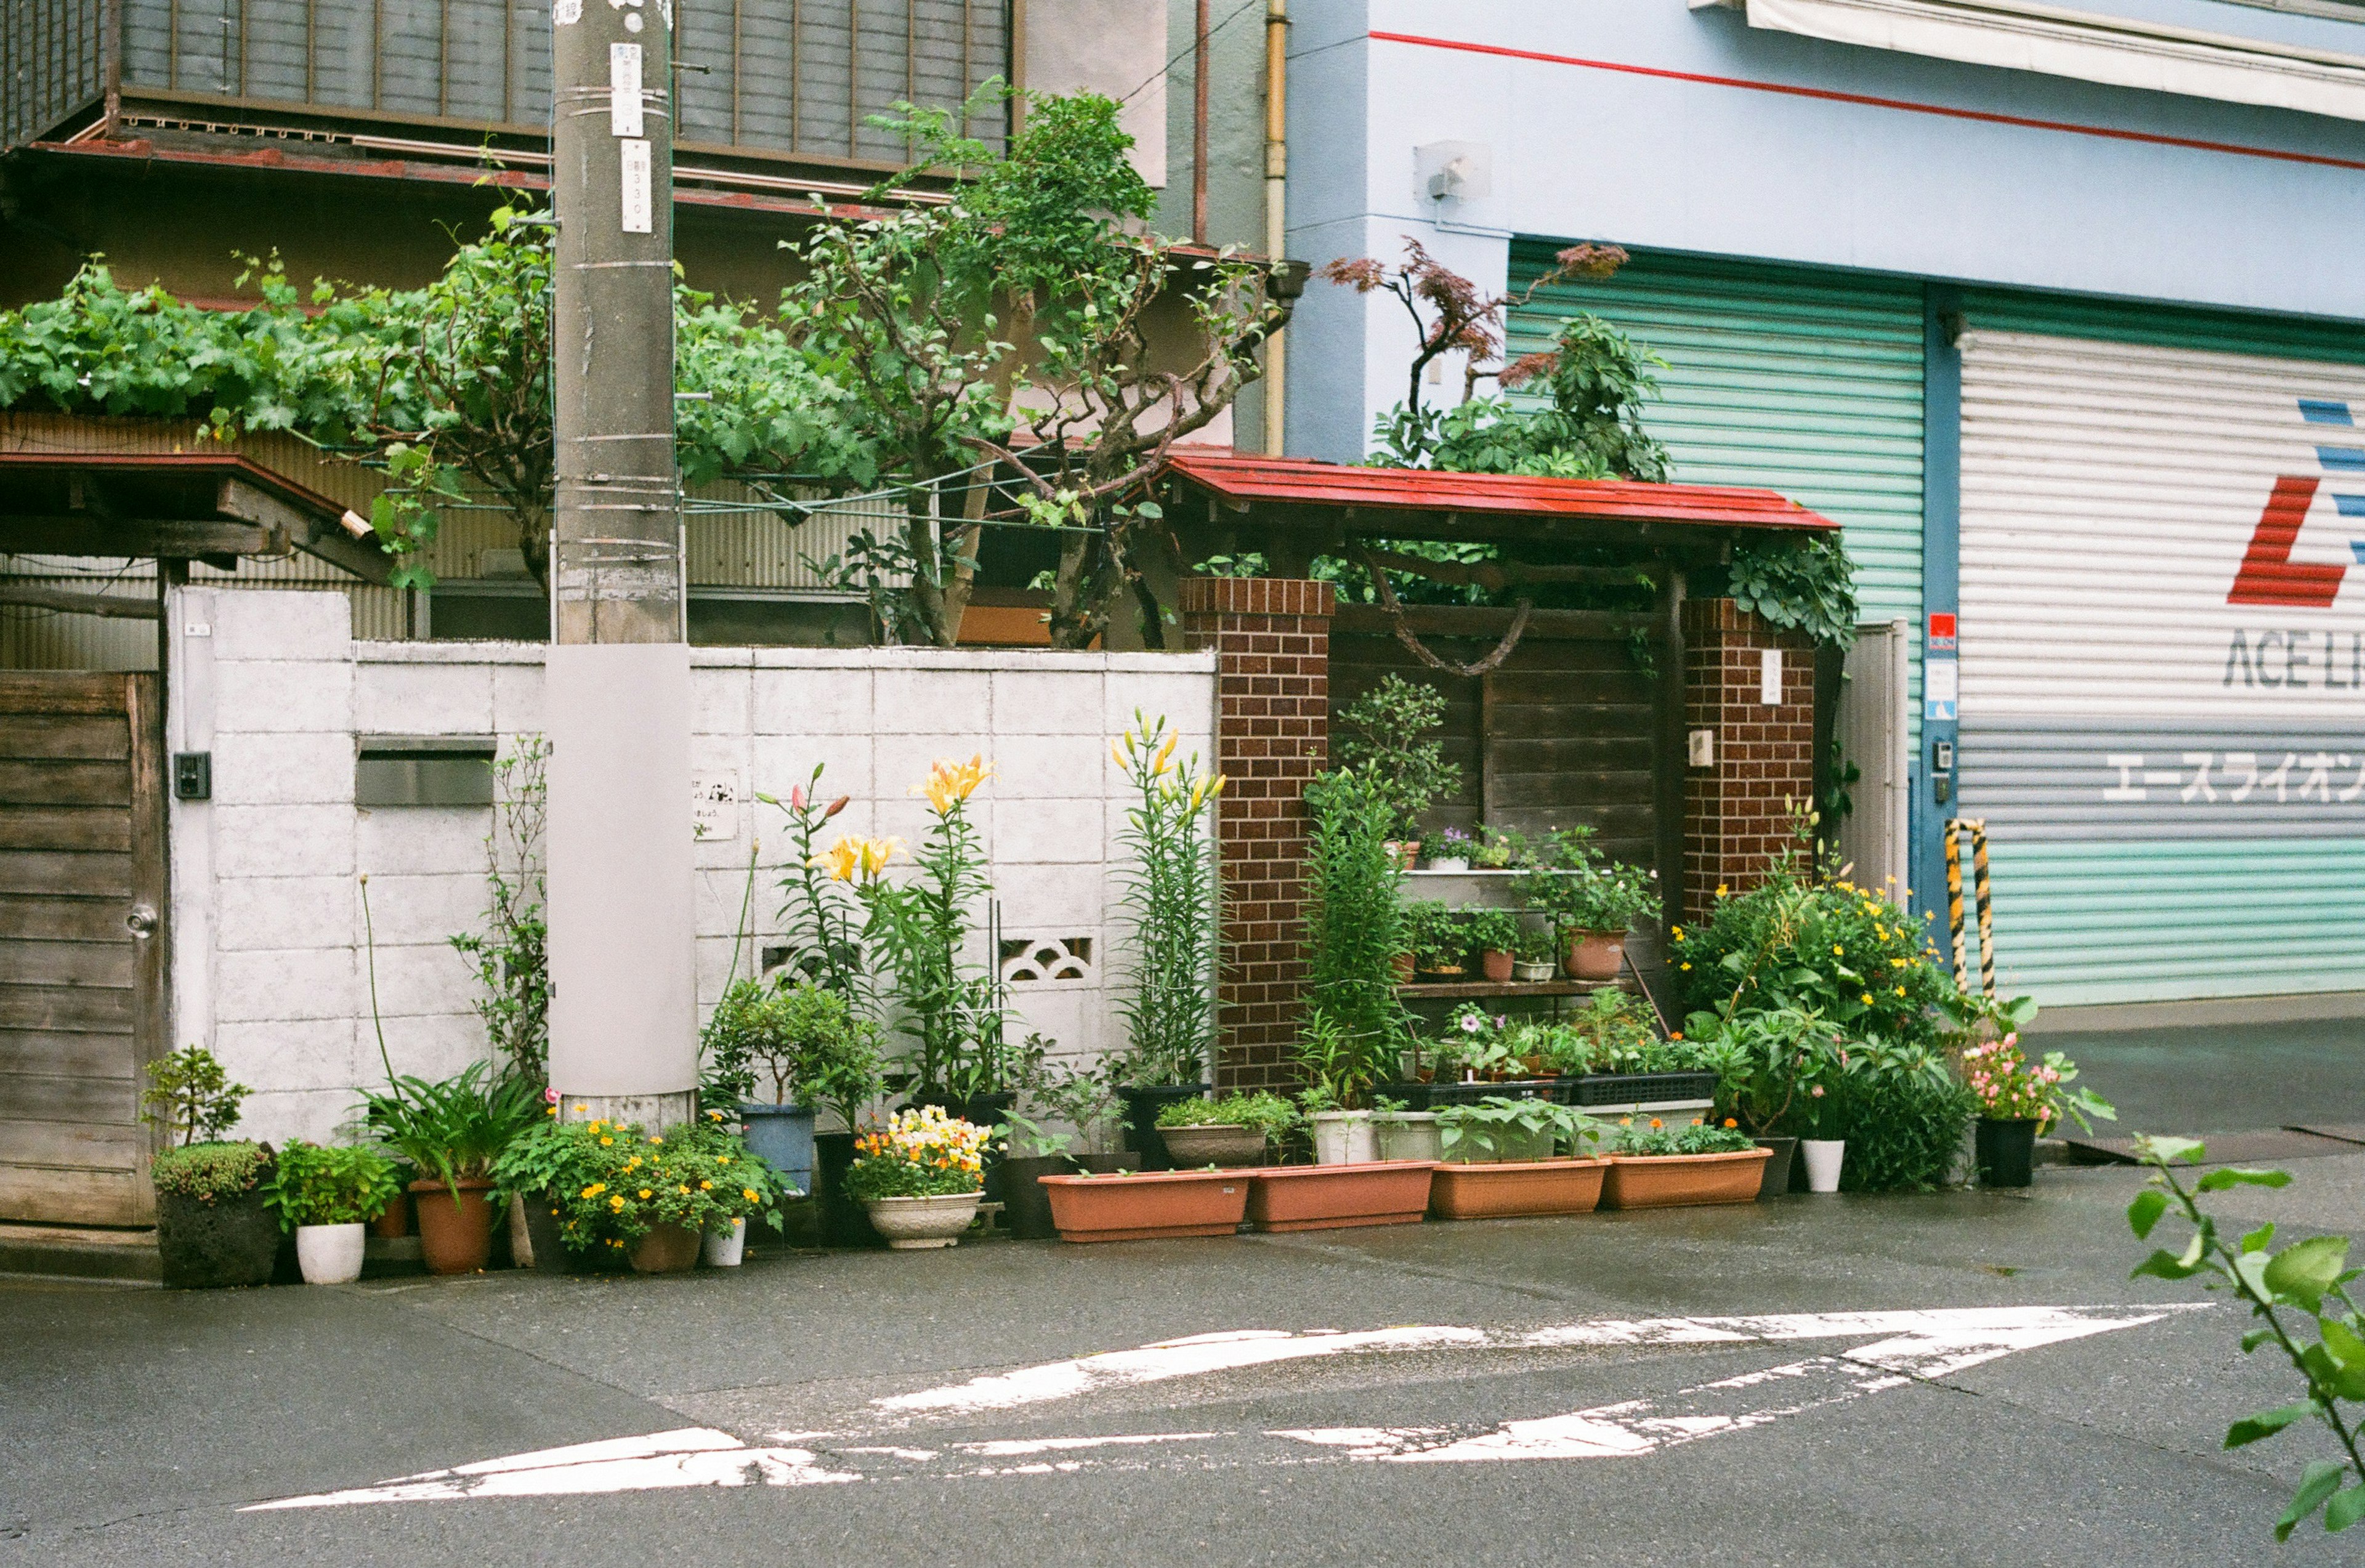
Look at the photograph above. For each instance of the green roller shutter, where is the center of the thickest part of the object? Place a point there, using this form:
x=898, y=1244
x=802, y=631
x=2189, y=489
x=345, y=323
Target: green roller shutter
x=1801, y=380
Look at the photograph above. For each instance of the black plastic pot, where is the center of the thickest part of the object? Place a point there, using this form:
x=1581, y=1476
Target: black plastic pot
x=1775, y=1181
x=2006, y=1151
x=543, y=1229
x=1141, y=1107
x=844, y=1222
x=1024, y=1204
x=233, y=1241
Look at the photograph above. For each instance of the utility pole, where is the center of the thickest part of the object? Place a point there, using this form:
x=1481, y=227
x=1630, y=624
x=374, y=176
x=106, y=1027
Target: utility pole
x=623, y=1009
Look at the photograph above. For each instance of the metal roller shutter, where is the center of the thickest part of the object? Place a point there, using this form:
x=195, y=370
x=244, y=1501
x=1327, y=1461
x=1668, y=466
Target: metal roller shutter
x=2162, y=719
x=1805, y=381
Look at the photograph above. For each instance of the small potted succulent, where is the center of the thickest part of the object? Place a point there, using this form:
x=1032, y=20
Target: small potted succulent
x=920, y=1175
x=1237, y=1130
x=213, y=1197
x=1656, y=1166
x=326, y=1196
x=1494, y=933
x=1452, y=851
x=1502, y=1158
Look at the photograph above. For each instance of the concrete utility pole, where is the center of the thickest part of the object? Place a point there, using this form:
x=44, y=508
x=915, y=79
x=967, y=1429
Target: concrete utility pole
x=623, y=1013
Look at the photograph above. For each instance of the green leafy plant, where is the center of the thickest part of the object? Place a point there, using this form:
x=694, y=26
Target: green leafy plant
x=819, y=913
x=1537, y=945
x=1498, y=1123
x=1759, y=1056
x=2288, y=1289
x=798, y=1043
x=335, y=1184
x=1802, y=583
x=191, y=1096
x=919, y=1153
x=1084, y=1097
x=212, y=1171
x=1613, y=1031
x=1270, y=1114
x=1491, y=930
x=454, y=1126
x=1169, y=1001
x=610, y=1182
x=1385, y=735
x=1696, y=1138
x=1903, y=1117
x=1354, y=925
x=1498, y=849
x=1436, y=935
x=510, y=955
x=1477, y=1045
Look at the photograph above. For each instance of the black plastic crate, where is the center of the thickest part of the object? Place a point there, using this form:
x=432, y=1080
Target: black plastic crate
x=1629, y=1088
x=1437, y=1096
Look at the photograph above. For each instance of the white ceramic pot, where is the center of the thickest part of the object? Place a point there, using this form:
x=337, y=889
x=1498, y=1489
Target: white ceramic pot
x=1532, y=969
x=909, y=1224
x=1405, y=1134
x=724, y=1248
x=1449, y=863
x=1343, y=1137
x=1824, y=1158
x=330, y=1254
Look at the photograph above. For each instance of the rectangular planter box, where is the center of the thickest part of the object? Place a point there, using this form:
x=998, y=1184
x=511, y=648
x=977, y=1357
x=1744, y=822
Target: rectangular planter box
x=1671, y=1180
x=1334, y=1197
x=1530, y=1187
x=1634, y=1087
x=1142, y=1207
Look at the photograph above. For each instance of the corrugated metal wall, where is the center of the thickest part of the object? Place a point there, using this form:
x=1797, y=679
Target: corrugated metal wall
x=779, y=75
x=1807, y=381
x=2168, y=749
x=51, y=65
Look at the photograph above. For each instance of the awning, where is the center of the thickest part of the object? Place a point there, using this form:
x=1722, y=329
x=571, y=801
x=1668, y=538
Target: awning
x=2017, y=35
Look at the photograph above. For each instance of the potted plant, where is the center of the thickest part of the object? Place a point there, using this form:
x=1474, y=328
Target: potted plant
x=2017, y=1099
x=1354, y=1026
x=452, y=1131
x=1383, y=736
x=1534, y=955
x=1167, y=1001
x=214, y=1198
x=802, y=1047
x=1498, y=849
x=619, y=1196
x=1426, y=922
x=1453, y=852
x=1823, y=1075
x=1480, y=1177
x=1236, y=1130
x=1661, y=1167
x=1339, y=1068
x=1442, y=945
x=920, y=1175
x=1143, y=1206
x=1400, y=1133
x=1596, y=908
x=327, y=1196
x=1494, y=933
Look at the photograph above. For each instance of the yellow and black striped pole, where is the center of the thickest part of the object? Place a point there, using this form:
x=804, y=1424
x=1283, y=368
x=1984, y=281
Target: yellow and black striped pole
x=1954, y=899
x=1979, y=826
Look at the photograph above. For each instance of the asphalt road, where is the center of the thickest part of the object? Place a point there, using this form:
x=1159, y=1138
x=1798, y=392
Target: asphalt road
x=141, y=1425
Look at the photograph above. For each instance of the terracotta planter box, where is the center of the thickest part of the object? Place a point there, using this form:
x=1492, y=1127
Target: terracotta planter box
x=1334, y=1197
x=1671, y=1181
x=1525, y=1187
x=1155, y=1204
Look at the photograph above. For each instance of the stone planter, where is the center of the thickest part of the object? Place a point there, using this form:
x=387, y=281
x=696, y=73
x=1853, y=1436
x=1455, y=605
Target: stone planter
x=912, y=1224
x=1532, y=971
x=1676, y=1181
x=1406, y=1135
x=233, y=1241
x=1596, y=954
x=666, y=1250
x=1337, y=1198
x=1525, y=1187
x=1150, y=1205
x=1213, y=1143
x=331, y=1254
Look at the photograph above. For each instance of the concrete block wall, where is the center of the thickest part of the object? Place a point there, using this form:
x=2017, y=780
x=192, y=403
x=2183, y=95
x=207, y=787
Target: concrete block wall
x=270, y=969
x=1736, y=811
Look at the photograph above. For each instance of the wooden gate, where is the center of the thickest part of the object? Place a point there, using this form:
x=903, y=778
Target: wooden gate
x=82, y=904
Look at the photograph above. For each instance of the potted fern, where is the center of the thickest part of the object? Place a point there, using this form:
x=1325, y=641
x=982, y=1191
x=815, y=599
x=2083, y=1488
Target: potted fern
x=214, y=1195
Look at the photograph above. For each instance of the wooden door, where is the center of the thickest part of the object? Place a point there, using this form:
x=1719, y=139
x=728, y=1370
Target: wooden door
x=81, y=943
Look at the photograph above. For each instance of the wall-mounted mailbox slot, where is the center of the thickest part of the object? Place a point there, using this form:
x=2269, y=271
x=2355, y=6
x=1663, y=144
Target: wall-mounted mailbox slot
x=423, y=770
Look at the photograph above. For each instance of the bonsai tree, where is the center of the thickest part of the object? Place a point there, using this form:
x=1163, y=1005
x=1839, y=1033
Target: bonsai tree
x=190, y=1096
x=1384, y=733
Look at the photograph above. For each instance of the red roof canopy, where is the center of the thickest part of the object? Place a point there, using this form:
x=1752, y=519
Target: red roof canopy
x=1244, y=481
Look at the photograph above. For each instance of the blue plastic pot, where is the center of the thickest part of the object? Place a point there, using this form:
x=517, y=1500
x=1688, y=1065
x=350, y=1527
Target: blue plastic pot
x=782, y=1137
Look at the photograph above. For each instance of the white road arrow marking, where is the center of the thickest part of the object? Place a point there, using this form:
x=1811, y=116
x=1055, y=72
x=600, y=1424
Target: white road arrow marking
x=1912, y=1345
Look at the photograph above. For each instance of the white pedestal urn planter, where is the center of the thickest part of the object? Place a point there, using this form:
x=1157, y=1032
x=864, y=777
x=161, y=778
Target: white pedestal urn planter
x=910, y=1224
x=724, y=1248
x=1343, y=1137
x=1824, y=1157
x=330, y=1254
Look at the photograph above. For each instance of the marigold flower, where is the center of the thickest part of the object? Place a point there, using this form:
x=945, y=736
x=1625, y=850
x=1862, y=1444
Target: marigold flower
x=706, y=1186
x=1730, y=1123
x=644, y=1192
x=607, y=1140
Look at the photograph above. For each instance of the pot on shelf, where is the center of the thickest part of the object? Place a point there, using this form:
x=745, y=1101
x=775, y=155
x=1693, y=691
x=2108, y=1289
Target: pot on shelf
x=1405, y=968
x=1213, y=1143
x=1496, y=963
x=1455, y=863
x=1531, y=971
x=1596, y=954
x=913, y=1223
x=2006, y=1150
x=331, y=1254
x=455, y=1233
x=1406, y=850
x=666, y=1250
x=1343, y=1137
x=1142, y=1103
x=1824, y=1158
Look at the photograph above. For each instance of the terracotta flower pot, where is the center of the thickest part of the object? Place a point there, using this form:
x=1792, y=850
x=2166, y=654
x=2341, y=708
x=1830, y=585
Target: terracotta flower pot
x=1496, y=963
x=666, y=1250
x=1140, y=1208
x=1213, y=1143
x=1334, y=1197
x=456, y=1236
x=1674, y=1181
x=1596, y=954
x=1405, y=968
x=393, y=1222
x=1525, y=1187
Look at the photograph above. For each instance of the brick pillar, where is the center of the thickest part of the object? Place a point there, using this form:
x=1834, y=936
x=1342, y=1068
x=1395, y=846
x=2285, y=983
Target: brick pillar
x=1735, y=821
x=1272, y=638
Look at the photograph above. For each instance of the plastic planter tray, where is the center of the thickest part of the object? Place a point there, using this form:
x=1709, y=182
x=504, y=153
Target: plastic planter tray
x=1506, y=1190
x=1334, y=1197
x=1636, y=1088
x=1150, y=1205
x=1437, y=1096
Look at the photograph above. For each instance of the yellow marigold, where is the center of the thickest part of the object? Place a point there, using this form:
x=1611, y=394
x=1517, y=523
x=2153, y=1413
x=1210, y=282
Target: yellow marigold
x=616, y=1203
x=723, y=1159
x=1868, y=998
x=706, y=1186
x=750, y=1194
x=683, y=1188
x=595, y=1189
x=653, y=1138
x=607, y=1140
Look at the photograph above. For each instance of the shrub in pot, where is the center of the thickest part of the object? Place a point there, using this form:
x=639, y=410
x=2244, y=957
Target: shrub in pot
x=452, y=1130
x=1238, y=1129
x=776, y=1053
x=326, y=1196
x=1385, y=736
x=920, y=1175
x=2016, y=1099
x=622, y=1195
x=214, y=1198
x=1493, y=934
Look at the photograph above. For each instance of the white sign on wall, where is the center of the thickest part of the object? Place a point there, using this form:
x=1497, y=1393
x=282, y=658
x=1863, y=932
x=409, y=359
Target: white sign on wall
x=715, y=798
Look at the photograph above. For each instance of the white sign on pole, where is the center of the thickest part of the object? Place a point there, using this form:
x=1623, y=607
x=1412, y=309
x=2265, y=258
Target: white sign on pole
x=636, y=204
x=624, y=89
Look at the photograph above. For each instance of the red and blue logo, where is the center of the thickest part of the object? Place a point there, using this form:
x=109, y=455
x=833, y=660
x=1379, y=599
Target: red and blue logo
x=2268, y=574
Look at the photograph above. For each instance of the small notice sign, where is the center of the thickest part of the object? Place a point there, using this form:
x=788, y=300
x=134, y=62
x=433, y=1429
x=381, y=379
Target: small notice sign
x=714, y=804
x=624, y=89
x=637, y=208
x=1940, y=686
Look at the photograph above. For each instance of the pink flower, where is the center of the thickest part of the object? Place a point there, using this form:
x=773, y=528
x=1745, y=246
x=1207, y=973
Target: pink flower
x=797, y=795
x=550, y=1096
x=1817, y=1092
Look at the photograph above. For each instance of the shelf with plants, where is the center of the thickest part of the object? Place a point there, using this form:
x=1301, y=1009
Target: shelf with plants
x=1457, y=991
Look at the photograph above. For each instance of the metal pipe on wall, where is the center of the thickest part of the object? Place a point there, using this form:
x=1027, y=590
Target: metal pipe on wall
x=1276, y=197
x=1199, y=124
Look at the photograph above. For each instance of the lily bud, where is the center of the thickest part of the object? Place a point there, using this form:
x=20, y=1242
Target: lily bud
x=796, y=796
x=835, y=806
